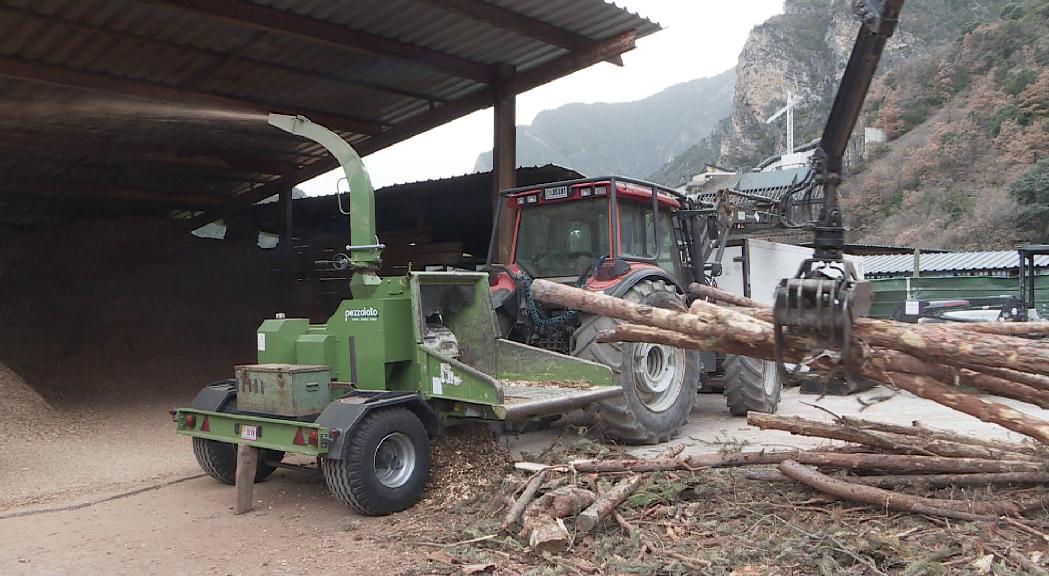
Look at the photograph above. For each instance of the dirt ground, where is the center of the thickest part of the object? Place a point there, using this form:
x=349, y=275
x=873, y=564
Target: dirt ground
x=187, y=527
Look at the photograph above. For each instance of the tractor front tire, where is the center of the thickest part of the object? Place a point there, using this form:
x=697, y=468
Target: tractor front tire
x=659, y=382
x=385, y=466
x=219, y=460
x=751, y=385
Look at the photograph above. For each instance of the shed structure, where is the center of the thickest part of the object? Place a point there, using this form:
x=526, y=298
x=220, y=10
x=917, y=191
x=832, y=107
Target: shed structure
x=158, y=106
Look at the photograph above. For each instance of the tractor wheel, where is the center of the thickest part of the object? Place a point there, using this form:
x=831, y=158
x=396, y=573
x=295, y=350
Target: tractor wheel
x=751, y=385
x=219, y=460
x=386, y=464
x=659, y=382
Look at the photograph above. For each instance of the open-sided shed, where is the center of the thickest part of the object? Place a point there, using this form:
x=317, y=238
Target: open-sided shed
x=157, y=106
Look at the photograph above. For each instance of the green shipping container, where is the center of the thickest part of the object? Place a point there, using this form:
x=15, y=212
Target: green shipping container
x=292, y=390
x=891, y=292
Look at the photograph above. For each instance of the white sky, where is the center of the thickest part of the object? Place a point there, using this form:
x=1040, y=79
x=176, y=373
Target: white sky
x=700, y=38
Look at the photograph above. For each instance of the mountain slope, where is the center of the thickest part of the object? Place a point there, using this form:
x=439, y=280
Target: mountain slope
x=804, y=51
x=628, y=138
x=964, y=122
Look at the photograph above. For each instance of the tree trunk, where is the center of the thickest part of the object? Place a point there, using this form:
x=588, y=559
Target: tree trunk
x=924, y=480
x=916, y=429
x=893, y=463
x=891, y=500
x=987, y=411
x=892, y=441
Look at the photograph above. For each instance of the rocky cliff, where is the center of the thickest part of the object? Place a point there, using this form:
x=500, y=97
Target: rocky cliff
x=804, y=51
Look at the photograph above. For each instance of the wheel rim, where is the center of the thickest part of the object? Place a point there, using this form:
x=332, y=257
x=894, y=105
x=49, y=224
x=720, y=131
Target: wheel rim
x=394, y=460
x=658, y=375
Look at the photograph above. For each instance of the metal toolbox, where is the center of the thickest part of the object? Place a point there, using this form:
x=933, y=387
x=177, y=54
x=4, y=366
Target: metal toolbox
x=292, y=390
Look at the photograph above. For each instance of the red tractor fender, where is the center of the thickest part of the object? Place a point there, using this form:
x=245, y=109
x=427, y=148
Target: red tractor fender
x=638, y=272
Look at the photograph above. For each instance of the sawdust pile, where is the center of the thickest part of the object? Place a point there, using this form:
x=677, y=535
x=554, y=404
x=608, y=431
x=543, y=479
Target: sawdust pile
x=22, y=405
x=468, y=462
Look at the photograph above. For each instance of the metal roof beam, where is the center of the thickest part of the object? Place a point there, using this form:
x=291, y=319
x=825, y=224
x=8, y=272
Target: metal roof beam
x=132, y=196
x=106, y=152
x=48, y=74
x=571, y=62
x=519, y=23
x=516, y=84
x=220, y=58
x=319, y=31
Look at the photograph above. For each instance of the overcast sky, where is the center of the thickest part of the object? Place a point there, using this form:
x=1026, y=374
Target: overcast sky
x=700, y=38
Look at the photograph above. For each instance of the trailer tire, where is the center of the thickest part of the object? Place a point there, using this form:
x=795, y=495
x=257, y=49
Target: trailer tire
x=641, y=415
x=751, y=385
x=219, y=460
x=392, y=436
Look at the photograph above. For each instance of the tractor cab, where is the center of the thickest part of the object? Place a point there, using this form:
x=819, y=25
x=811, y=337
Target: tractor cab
x=596, y=233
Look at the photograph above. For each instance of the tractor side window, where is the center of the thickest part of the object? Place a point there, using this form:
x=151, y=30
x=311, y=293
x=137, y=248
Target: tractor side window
x=637, y=235
x=637, y=231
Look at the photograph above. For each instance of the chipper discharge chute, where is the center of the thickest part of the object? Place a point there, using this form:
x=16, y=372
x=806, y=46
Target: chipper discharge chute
x=365, y=391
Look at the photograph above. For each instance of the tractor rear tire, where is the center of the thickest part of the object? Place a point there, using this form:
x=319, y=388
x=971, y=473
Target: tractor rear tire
x=751, y=385
x=386, y=464
x=659, y=382
x=219, y=460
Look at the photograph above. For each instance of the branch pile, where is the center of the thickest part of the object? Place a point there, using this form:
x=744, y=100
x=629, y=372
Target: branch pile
x=879, y=463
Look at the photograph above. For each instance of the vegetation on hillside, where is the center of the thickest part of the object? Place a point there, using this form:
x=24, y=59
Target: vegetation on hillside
x=963, y=122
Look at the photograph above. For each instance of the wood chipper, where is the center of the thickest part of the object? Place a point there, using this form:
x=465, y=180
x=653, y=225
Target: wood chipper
x=365, y=391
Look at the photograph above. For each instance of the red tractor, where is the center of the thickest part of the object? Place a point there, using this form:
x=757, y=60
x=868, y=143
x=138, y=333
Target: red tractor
x=634, y=240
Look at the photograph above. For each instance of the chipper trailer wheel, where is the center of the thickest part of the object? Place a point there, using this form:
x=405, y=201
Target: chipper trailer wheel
x=219, y=460
x=751, y=385
x=386, y=464
x=659, y=382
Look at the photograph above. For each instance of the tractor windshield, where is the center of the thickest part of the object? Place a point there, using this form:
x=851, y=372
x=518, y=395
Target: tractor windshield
x=557, y=240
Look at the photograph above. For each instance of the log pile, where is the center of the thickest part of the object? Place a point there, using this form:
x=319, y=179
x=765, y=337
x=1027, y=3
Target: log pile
x=933, y=361
x=880, y=465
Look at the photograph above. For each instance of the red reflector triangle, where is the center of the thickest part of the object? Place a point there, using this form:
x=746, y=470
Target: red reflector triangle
x=205, y=427
x=299, y=440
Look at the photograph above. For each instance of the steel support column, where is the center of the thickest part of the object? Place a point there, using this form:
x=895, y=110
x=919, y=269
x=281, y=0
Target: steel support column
x=504, y=158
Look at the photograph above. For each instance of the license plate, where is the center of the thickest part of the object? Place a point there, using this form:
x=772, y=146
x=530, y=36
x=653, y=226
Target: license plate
x=556, y=193
x=249, y=432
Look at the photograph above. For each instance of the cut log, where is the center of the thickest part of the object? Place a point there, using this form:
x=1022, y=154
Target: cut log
x=514, y=515
x=542, y=525
x=938, y=342
x=606, y=504
x=893, y=441
x=891, y=463
x=885, y=498
x=916, y=429
x=719, y=295
x=924, y=480
x=880, y=361
x=548, y=535
x=682, y=463
x=1000, y=414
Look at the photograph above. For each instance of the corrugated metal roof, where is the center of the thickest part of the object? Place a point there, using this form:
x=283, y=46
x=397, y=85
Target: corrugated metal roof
x=66, y=67
x=947, y=262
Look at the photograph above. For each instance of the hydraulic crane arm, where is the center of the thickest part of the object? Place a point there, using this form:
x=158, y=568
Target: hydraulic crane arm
x=879, y=22
x=826, y=295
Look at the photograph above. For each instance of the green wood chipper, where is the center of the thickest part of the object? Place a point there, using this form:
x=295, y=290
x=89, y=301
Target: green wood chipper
x=366, y=391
